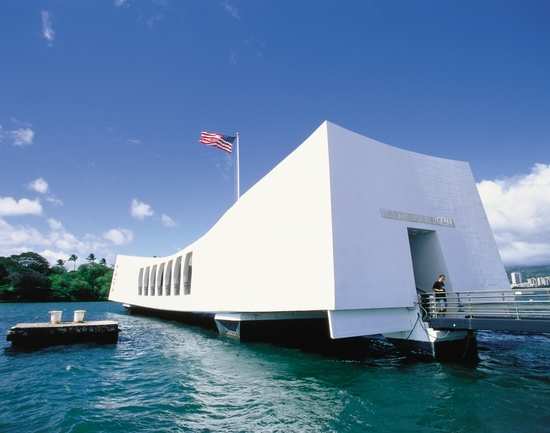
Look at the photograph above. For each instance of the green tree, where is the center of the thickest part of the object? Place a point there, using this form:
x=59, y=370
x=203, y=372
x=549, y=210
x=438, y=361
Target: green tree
x=59, y=267
x=4, y=273
x=6, y=290
x=32, y=261
x=104, y=284
x=10, y=265
x=103, y=262
x=91, y=258
x=61, y=286
x=31, y=285
x=82, y=290
x=73, y=258
x=28, y=276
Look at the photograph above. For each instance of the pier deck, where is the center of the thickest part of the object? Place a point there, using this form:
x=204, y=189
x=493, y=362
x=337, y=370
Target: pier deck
x=46, y=334
x=502, y=310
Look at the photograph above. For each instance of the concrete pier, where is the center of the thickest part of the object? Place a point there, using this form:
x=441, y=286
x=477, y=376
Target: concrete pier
x=46, y=334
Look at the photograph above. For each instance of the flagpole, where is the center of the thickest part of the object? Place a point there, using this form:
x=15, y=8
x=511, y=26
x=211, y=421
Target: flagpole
x=238, y=174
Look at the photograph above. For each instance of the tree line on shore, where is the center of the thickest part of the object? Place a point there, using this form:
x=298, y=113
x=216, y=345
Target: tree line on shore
x=29, y=277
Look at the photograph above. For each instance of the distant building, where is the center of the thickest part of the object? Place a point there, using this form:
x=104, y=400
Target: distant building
x=516, y=278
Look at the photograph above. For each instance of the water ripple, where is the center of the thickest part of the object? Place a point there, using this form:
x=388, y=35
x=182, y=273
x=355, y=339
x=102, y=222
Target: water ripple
x=167, y=377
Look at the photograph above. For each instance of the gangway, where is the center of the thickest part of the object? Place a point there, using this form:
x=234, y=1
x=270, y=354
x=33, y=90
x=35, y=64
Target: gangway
x=514, y=310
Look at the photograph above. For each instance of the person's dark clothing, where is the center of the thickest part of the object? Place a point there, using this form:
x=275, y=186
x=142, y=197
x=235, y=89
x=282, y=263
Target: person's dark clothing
x=439, y=287
x=440, y=293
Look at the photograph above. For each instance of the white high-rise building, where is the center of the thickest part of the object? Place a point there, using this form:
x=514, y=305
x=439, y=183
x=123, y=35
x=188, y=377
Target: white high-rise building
x=516, y=278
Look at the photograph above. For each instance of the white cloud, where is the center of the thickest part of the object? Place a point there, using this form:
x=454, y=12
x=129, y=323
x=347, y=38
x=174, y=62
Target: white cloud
x=231, y=10
x=22, y=136
x=14, y=237
x=119, y=236
x=120, y=3
x=57, y=243
x=10, y=206
x=518, y=209
x=55, y=224
x=54, y=200
x=140, y=210
x=39, y=185
x=54, y=256
x=167, y=221
x=47, y=28
x=66, y=241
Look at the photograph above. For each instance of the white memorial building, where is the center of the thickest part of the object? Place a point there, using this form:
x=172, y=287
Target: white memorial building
x=343, y=233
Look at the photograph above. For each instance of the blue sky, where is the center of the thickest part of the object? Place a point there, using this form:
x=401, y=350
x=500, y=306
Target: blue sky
x=104, y=101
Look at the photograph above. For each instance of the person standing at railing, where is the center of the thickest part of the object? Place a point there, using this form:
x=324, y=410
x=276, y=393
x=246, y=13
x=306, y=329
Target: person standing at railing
x=440, y=292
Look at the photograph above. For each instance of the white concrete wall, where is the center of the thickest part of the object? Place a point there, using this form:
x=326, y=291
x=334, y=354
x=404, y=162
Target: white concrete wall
x=373, y=266
x=357, y=322
x=272, y=251
x=310, y=236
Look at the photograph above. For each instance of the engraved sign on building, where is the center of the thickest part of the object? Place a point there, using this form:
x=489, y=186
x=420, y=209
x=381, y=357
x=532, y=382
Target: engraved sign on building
x=415, y=218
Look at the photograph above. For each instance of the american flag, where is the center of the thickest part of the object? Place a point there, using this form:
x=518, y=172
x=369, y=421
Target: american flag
x=223, y=142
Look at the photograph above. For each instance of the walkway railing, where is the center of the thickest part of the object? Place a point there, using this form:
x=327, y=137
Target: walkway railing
x=504, y=304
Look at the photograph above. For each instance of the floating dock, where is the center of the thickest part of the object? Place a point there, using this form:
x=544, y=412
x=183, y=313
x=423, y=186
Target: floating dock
x=46, y=334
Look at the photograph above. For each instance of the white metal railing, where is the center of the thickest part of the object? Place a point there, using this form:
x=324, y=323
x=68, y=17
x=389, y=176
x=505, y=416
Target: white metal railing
x=509, y=304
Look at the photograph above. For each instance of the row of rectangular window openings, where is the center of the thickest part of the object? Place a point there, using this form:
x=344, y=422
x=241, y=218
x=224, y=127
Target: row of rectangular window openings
x=151, y=278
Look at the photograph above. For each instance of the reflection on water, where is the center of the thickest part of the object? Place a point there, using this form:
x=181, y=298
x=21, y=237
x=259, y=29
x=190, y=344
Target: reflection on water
x=167, y=377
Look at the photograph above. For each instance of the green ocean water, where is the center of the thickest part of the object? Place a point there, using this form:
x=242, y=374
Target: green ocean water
x=164, y=376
